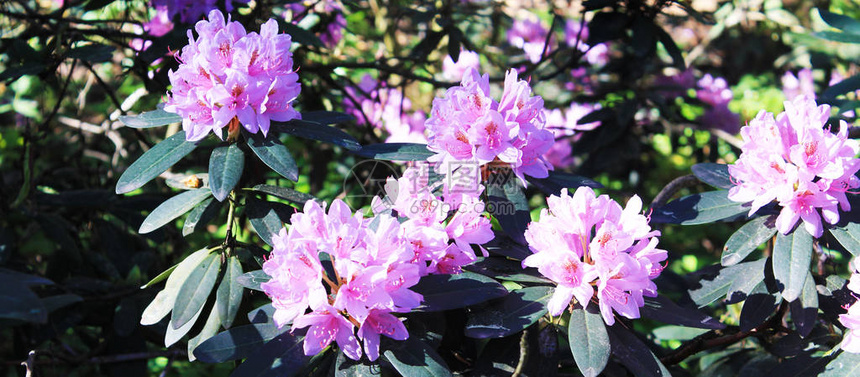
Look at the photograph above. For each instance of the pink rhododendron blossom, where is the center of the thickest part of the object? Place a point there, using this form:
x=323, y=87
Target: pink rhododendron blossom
x=453, y=71
x=329, y=13
x=851, y=319
x=575, y=35
x=189, y=11
x=529, y=35
x=565, y=128
x=583, y=242
x=802, y=84
x=794, y=160
x=468, y=125
x=227, y=76
x=715, y=92
x=386, y=109
x=676, y=85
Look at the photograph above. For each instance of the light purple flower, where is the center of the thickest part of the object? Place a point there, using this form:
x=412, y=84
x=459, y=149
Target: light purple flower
x=453, y=71
x=715, y=92
x=530, y=36
x=802, y=84
x=386, y=109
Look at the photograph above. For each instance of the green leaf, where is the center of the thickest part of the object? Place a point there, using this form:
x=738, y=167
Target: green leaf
x=154, y=162
x=845, y=86
x=792, y=255
x=510, y=314
x=589, y=341
x=848, y=236
x=713, y=288
x=237, y=343
x=758, y=307
x=313, y=130
x=703, y=208
x=174, y=334
x=677, y=332
x=396, y=151
x=506, y=269
x=288, y=194
x=445, y=292
x=267, y=218
x=747, y=239
x=201, y=215
x=346, y=367
x=280, y=357
x=275, y=155
x=253, y=279
x=164, y=301
x=507, y=202
x=93, y=53
x=847, y=364
x=671, y=48
x=556, y=181
x=300, y=35
x=149, y=119
x=195, y=290
x=414, y=358
x=225, y=168
x=228, y=297
x=664, y=310
x=841, y=22
x=836, y=36
x=210, y=329
x=159, y=278
x=173, y=208
x=17, y=301
x=327, y=117
x=804, y=312
x=716, y=175
x=748, y=279
x=634, y=354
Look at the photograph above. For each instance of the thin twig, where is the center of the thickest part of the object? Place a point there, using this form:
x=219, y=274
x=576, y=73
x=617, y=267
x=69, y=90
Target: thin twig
x=672, y=188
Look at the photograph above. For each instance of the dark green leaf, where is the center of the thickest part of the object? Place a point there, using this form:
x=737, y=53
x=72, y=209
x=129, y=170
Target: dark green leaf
x=588, y=340
x=174, y=334
x=644, y=39
x=396, y=151
x=848, y=236
x=703, y=208
x=229, y=293
x=506, y=269
x=327, y=117
x=237, y=343
x=267, y=218
x=758, y=307
x=792, y=255
x=508, y=204
x=17, y=301
x=210, y=329
x=671, y=48
x=414, y=358
x=154, y=162
x=847, y=364
x=301, y=35
x=16, y=72
x=838, y=37
x=253, y=279
x=505, y=246
x=288, y=194
x=313, y=130
x=510, y=314
x=444, y=292
x=804, y=312
x=93, y=53
x=711, y=289
x=346, y=367
x=845, y=86
x=165, y=300
x=557, y=181
x=841, y=22
x=159, y=278
x=746, y=239
x=280, y=357
x=201, y=215
x=262, y=314
x=752, y=274
x=173, y=208
x=275, y=155
x=225, y=168
x=716, y=175
x=664, y=310
x=634, y=354
x=195, y=290
x=150, y=119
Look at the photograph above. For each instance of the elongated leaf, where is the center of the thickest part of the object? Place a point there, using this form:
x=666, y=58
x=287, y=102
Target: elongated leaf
x=225, y=168
x=164, y=301
x=758, y=307
x=159, y=278
x=838, y=37
x=346, y=367
x=753, y=274
x=589, y=341
x=505, y=246
x=509, y=314
x=93, y=53
x=395, y=151
x=275, y=155
x=847, y=364
x=229, y=293
x=154, y=162
x=267, y=218
x=848, y=236
x=804, y=312
x=664, y=310
x=17, y=301
x=444, y=292
x=716, y=175
x=845, y=86
x=703, y=208
x=327, y=117
x=237, y=343
x=712, y=289
x=747, y=239
x=201, y=215
x=253, y=279
x=173, y=208
x=414, y=358
x=210, y=329
x=556, y=181
x=195, y=290
x=671, y=48
x=149, y=119
x=841, y=22
x=174, y=334
x=508, y=204
x=634, y=354
x=280, y=357
x=506, y=269
x=792, y=255
x=288, y=194
x=312, y=130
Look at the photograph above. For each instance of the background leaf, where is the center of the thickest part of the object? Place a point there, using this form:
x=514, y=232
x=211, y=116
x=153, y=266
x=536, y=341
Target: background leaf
x=149, y=119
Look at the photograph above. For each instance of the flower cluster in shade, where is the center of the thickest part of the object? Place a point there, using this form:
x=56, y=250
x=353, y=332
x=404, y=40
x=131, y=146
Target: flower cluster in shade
x=530, y=35
x=795, y=160
x=188, y=11
x=345, y=276
x=331, y=21
x=468, y=125
x=851, y=319
x=387, y=109
x=714, y=91
x=227, y=76
x=566, y=130
x=583, y=242
x=575, y=35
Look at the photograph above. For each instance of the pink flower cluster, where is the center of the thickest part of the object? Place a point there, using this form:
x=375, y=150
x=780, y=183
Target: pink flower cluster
x=565, y=129
x=469, y=125
x=228, y=76
x=530, y=36
x=851, y=320
x=583, y=241
x=330, y=14
x=387, y=109
x=188, y=11
x=373, y=263
x=796, y=161
x=454, y=71
x=802, y=84
x=715, y=92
